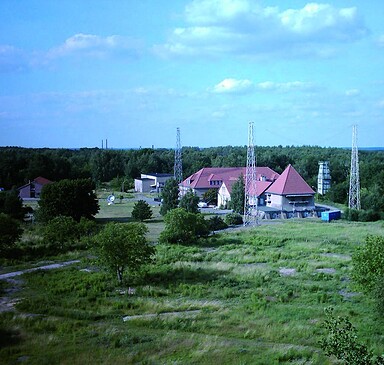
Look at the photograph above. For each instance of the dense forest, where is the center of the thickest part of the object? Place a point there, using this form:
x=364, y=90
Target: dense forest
x=19, y=165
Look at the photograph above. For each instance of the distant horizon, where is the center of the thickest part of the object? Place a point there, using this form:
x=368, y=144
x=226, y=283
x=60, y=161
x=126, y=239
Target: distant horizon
x=172, y=148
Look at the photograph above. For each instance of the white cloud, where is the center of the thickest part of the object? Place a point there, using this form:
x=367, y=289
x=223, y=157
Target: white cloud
x=233, y=86
x=352, y=92
x=284, y=86
x=243, y=27
x=97, y=46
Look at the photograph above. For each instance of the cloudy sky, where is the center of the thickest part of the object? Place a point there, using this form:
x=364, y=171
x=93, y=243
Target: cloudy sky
x=76, y=72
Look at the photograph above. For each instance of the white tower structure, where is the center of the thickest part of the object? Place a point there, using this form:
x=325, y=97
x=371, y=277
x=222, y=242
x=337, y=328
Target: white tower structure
x=178, y=166
x=250, y=201
x=354, y=179
x=323, y=178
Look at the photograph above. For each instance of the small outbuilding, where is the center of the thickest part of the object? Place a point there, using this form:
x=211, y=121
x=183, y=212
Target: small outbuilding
x=152, y=182
x=32, y=190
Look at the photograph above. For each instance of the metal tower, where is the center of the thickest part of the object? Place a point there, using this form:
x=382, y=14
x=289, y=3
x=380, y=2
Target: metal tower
x=250, y=201
x=323, y=178
x=354, y=179
x=178, y=167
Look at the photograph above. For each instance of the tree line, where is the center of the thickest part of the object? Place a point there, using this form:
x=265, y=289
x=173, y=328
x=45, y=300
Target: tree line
x=19, y=165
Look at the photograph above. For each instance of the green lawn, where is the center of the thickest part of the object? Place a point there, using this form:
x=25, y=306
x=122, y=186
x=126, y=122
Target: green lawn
x=253, y=296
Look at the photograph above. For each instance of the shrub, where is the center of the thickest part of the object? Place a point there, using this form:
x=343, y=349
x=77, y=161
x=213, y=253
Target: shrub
x=368, y=263
x=341, y=342
x=183, y=227
x=378, y=294
x=141, y=211
x=216, y=223
x=10, y=233
x=233, y=219
x=61, y=232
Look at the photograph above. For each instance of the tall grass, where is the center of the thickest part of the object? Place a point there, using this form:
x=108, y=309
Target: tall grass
x=246, y=308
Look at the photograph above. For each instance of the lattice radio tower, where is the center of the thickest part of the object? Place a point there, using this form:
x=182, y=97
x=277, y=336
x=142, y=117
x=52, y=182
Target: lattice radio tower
x=178, y=167
x=354, y=179
x=250, y=201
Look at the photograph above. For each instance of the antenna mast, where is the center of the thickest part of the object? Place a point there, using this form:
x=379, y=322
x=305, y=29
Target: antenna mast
x=178, y=167
x=354, y=179
x=250, y=201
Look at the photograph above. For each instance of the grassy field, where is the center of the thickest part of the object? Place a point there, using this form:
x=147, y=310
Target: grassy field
x=254, y=296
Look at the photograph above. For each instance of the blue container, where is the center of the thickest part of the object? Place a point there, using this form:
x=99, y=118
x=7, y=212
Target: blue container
x=330, y=215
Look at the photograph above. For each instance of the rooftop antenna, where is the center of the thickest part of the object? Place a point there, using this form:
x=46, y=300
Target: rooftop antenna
x=354, y=179
x=178, y=167
x=250, y=201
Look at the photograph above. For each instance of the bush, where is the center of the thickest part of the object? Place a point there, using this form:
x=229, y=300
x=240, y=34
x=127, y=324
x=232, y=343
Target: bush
x=341, y=342
x=10, y=233
x=141, y=211
x=216, y=223
x=368, y=263
x=11, y=204
x=233, y=219
x=61, y=232
x=183, y=227
x=378, y=294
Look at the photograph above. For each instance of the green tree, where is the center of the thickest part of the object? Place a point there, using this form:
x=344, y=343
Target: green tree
x=341, y=342
x=61, y=233
x=72, y=198
x=123, y=247
x=368, y=263
x=238, y=195
x=210, y=196
x=11, y=204
x=170, y=196
x=10, y=233
x=141, y=211
x=183, y=227
x=189, y=202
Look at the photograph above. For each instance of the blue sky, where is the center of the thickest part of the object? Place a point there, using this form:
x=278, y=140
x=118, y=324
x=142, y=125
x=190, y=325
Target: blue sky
x=74, y=73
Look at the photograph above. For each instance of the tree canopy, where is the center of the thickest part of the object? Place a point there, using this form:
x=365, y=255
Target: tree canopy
x=71, y=198
x=141, y=211
x=123, y=247
x=238, y=196
x=189, y=202
x=19, y=165
x=183, y=227
x=170, y=196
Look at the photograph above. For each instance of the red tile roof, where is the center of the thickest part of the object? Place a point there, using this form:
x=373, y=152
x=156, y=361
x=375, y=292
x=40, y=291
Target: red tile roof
x=228, y=175
x=42, y=180
x=290, y=182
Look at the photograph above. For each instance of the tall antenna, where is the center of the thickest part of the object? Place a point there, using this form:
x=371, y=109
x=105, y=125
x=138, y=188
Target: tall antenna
x=250, y=201
x=178, y=167
x=354, y=179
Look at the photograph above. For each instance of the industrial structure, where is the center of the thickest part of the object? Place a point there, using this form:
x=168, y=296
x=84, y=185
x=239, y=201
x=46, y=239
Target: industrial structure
x=354, y=179
x=323, y=178
x=250, y=197
x=151, y=183
x=178, y=166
